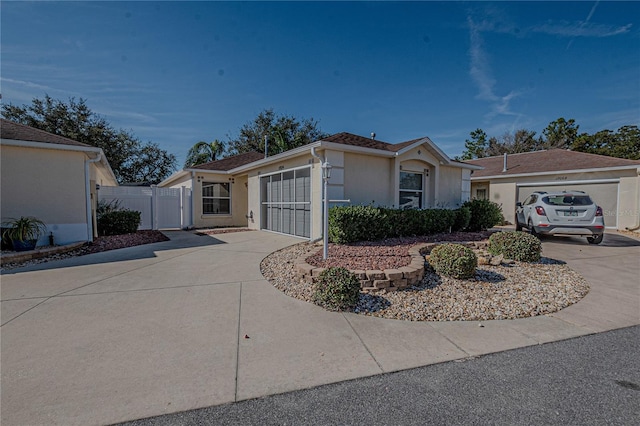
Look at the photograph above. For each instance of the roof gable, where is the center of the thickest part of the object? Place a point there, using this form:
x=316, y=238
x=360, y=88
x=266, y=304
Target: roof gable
x=553, y=160
x=345, y=138
x=229, y=163
x=20, y=132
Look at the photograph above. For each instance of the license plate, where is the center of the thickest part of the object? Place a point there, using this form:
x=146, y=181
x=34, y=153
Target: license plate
x=571, y=213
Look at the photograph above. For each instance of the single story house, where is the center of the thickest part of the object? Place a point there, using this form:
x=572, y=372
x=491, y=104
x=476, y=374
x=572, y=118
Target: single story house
x=613, y=183
x=53, y=179
x=283, y=193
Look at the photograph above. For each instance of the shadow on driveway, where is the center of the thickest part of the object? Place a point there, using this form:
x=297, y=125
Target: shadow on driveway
x=177, y=240
x=610, y=240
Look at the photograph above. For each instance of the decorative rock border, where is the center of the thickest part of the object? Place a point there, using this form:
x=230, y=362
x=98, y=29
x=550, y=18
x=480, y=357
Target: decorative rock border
x=372, y=281
x=24, y=256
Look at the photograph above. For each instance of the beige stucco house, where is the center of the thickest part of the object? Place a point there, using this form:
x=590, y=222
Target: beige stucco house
x=283, y=193
x=51, y=178
x=613, y=183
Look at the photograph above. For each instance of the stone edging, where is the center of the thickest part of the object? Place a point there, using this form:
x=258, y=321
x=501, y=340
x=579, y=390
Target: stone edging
x=38, y=253
x=389, y=279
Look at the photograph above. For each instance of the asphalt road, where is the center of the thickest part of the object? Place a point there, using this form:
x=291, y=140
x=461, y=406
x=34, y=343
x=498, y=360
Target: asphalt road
x=591, y=380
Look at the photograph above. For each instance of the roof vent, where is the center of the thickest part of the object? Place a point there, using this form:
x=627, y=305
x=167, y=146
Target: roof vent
x=373, y=135
x=504, y=163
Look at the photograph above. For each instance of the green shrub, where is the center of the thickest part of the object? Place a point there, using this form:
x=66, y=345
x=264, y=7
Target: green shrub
x=348, y=224
x=484, y=214
x=520, y=246
x=118, y=222
x=462, y=219
x=337, y=289
x=454, y=260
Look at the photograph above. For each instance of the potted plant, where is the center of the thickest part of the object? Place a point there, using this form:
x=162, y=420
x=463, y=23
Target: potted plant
x=24, y=232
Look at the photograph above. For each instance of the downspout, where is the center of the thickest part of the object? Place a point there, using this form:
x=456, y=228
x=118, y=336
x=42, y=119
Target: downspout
x=316, y=155
x=87, y=187
x=193, y=200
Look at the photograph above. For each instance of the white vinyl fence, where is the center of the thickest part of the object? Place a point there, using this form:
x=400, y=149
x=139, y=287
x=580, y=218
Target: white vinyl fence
x=160, y=208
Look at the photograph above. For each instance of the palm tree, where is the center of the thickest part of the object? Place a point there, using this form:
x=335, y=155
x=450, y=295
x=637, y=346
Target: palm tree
x=204, y=152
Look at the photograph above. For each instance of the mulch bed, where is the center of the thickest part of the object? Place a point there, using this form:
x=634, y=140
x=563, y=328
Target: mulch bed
x=391, y=253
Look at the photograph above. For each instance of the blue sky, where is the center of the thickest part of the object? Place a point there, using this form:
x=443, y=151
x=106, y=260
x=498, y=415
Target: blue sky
x=179, y=72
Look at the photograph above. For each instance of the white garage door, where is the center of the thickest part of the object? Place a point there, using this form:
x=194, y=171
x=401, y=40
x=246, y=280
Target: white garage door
x=604, y=194
x=286, y=202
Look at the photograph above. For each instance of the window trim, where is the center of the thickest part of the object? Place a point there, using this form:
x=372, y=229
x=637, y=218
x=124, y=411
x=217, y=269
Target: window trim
x=203, y=197
x=421, y=191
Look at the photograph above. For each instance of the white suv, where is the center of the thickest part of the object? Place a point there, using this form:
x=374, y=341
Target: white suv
x=561, y=213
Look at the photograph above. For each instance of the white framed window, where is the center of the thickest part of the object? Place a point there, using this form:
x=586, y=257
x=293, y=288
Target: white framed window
x=411, y=190
x=216, y=198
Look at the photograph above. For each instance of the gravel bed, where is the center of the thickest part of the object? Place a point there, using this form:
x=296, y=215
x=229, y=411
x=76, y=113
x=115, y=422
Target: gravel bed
x=512, y=291
x=99, y=244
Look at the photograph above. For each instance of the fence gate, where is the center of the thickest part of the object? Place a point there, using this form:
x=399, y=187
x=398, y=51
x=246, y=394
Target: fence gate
x=160, y=208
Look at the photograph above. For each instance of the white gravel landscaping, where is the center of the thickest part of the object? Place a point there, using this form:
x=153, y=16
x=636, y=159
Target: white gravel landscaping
x=517, y=290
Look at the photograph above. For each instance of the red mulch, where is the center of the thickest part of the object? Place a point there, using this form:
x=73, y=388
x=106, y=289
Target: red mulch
x=113, y=242
x=391, y=253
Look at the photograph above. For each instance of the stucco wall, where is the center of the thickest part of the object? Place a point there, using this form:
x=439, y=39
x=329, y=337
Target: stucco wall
x=450, y=187
x=368, y=180
x=238, y=201
x=47, y=184
x=504, y=194
x=629, y=202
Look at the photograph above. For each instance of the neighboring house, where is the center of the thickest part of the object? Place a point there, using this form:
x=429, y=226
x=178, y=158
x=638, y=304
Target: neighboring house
x=613, y=183
x=283, y=193
x=53, y=179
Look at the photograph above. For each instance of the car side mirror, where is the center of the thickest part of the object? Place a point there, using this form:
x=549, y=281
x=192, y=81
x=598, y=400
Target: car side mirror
x=518, y=204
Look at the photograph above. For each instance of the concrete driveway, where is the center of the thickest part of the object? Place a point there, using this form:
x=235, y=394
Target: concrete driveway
x=161, y=328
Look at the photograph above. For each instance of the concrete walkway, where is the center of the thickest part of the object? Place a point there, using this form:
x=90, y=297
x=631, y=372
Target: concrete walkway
x=161, y=328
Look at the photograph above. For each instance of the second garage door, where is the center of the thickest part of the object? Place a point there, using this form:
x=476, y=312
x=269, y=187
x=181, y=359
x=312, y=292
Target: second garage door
x=604, y=194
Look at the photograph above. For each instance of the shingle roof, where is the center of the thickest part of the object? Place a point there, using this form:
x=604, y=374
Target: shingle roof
x=231, y=162
x=15, y=131
x=554, y=160
x=345, y=138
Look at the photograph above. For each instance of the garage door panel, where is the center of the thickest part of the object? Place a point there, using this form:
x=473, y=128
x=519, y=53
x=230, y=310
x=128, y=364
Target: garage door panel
x=286, y=202
x=603, y=194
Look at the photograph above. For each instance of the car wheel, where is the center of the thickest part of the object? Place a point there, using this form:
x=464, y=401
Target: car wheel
x=595, y=239
x=518, y=226
x=532, y=230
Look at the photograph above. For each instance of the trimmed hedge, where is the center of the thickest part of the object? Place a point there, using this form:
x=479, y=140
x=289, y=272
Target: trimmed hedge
x=118, y=222
x=348, y=224
x=520, y=246
x=337, y=289
x=454, y=260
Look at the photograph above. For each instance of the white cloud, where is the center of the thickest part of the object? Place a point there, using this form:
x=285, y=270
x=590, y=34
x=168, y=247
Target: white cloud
x=581, y=29
x=480, y=71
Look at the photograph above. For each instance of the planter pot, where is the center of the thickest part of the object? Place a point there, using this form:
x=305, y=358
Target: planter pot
x=24, y=245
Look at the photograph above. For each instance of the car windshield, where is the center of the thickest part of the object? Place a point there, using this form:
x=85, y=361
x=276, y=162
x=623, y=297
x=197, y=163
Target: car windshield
x=567, y=200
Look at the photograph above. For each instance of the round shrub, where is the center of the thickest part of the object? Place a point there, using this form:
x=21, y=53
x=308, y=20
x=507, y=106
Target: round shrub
x=462, y=219
x=454, y=260
x=485, y=214
x=337, y=289
x=520, y=246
